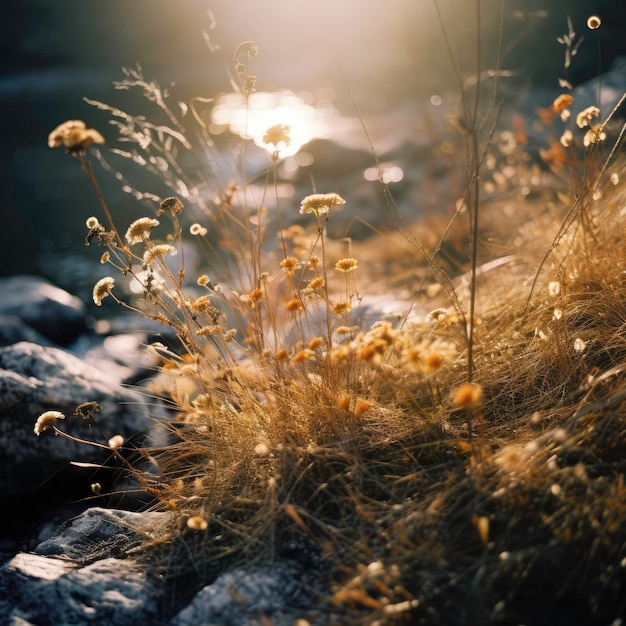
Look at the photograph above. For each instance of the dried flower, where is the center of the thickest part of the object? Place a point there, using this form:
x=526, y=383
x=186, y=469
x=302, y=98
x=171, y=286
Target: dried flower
x=361, y=407
x=74, y=136
x=594, y=135
x=157, y=251
x=262, y=449
x=341, y=307
x=593, y=22
x=279, y=133
x=585, y=117
x=294, y=305
x=173, y=205
x=468, y=394
x=139, y=230
x=208, y=330
x=116, y=441
x=562, y=102
x=281, y=354
x=203, y=280
x=46, y=420
x=290, y=265
x=92, y=223
x=316, y=283
x=196, y=229
x=87, y=409
x=346, y=265
x=303, y=355
x=197, y=522
x=321, y=203
x=102, y=289
x=554, y=288
x=579, y=345
x=315, y=342
x=105, y=257
x=566, y=138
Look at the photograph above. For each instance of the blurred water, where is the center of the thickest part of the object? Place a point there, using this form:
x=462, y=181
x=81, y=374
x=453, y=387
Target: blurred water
x=54, y=53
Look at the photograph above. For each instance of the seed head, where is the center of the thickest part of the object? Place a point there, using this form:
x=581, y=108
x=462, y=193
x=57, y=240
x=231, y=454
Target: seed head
x=594, y=135
x=321, y=203
x=74, y=136
x=468, y=394
x=346, y=265
x=102, y=289
x=46, y=420
x=585, y=117
x=173, y=205
x=139, y=230
x=157, y=251
x=116, y=441
x=593, y=22
x=290, y=265
x=196, y=229
x=92, y=223
x=562, y=102
x=197, y=522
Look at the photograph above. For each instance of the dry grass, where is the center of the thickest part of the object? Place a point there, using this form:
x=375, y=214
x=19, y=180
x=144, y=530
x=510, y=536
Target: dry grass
x=295, y=418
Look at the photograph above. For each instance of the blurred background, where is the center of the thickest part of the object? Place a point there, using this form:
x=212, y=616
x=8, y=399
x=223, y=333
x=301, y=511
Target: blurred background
x=387, y=53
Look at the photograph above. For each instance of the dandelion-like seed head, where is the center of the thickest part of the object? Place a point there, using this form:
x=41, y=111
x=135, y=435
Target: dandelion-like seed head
x=102, y=289
x=586, y=116
x=198, y=230
x=46, y=420
x=321, y=203
x=277, y=134
x=139, y=230
x=346, y=265
x=593, y=22
x=92, y=223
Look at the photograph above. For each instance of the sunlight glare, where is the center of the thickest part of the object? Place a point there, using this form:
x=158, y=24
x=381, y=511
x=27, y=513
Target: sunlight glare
x=267, y=109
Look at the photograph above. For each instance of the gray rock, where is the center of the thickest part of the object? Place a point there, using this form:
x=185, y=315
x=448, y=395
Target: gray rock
x=34, y=379
x=75, y=578
x=51, y=311
x=13, y=329
x=249, y=596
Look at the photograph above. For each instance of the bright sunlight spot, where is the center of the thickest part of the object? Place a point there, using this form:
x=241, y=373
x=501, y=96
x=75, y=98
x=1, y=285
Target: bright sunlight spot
x=267, y=109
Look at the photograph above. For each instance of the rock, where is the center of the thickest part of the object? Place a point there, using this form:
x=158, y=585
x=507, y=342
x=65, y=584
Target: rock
x=245, y=597
x=13, y=329
x=34, y=379
x=51, y=311
x=76, y=577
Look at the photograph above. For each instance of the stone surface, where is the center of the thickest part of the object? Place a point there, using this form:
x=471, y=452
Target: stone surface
x=51, y=311
x=34, y=379
x=245, y=597
x=83, y=574
x=14, y=329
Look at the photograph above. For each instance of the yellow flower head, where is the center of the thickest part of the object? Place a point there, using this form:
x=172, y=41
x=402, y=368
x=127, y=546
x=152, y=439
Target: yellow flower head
x=139, y=230
x=279, y=133
x=102, y=289
x=346, y=265
x=321, y=203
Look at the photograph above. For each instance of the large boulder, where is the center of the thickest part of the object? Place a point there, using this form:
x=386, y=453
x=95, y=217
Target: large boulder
x=34, y=379
x=51, y=311
x=83, y=575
